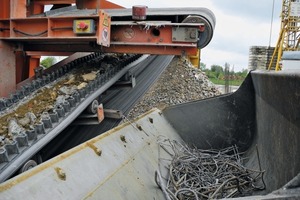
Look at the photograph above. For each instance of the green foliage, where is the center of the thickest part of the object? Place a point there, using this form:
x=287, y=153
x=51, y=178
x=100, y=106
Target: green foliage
x=217, y=70
x=210, y=74
x=48, y=62
x=222, y=82
x=243, y=73
x=217, y=75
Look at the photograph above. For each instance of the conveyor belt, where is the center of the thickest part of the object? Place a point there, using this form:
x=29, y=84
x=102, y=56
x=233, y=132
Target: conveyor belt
x=146, y=75
x=26, y=145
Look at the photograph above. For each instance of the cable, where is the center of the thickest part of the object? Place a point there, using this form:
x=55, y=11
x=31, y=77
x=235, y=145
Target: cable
x=4, y=29
x=28, y=34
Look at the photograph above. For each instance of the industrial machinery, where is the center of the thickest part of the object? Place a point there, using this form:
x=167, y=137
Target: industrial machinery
x=289, y=36
x=84, y=30
x=27, y=32
x=127, y=162
x=261, y=118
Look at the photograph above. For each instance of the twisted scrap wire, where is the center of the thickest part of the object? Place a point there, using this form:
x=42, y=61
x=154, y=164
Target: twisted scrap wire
x=207, y=174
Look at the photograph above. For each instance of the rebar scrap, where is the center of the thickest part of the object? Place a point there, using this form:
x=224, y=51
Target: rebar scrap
x=206, y=174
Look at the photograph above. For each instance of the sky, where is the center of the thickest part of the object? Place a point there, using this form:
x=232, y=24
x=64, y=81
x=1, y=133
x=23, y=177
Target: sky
x=240, y=25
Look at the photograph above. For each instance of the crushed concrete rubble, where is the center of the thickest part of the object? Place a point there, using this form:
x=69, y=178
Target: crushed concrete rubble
x=17, y=120
x=179, y=83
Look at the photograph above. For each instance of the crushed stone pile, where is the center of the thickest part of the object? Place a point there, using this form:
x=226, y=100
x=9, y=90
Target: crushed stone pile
x=179, y=83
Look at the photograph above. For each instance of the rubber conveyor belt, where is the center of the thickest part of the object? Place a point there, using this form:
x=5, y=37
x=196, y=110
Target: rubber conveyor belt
x=146, y=74
x=14, y=155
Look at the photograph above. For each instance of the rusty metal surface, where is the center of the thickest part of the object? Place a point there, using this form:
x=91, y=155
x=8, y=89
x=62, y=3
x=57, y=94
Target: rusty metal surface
x=204, y=16
x=44, y=28
x=58, y=28
x=53, y=32
x=7, y=69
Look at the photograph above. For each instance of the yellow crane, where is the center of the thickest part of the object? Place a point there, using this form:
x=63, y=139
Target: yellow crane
x=289, y=37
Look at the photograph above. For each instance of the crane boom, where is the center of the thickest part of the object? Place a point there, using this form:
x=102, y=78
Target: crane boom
x=289, y=37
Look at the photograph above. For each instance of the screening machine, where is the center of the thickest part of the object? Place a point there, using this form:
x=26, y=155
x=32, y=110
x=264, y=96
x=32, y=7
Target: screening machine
x=85, y=31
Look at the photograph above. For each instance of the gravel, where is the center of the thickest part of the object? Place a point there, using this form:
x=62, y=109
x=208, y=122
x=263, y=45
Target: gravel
x=179, y=83
x=25, y=114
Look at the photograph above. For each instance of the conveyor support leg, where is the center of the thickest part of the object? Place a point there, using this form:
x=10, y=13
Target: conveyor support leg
x=7, y=69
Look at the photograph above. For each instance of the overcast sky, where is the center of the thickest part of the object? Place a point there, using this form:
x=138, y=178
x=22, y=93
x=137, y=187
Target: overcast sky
x=240, y=24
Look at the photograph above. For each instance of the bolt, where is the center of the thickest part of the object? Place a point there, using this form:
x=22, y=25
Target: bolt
x=193, y=35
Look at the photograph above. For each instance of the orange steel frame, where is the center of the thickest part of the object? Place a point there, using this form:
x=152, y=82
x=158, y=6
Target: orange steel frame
x=24, y=37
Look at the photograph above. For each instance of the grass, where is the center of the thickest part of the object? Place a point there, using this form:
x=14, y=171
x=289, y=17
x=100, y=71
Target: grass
x=222, y=82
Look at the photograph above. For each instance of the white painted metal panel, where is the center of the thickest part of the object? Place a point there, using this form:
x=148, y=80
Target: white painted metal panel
x=124, y=170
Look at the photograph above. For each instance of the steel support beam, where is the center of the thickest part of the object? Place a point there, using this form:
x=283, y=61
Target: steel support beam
x=139, y=49
x=7, y=69
x=22, y=66
x=4, y=9
x=18, y=9
x=34, y=61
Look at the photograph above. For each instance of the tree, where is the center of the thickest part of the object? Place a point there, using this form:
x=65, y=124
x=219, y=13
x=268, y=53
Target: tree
x=217, y=70
x=242, y=73
x=48, y=62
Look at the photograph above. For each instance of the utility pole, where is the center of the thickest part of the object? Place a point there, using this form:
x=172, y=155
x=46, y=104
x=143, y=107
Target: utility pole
x=226, y=77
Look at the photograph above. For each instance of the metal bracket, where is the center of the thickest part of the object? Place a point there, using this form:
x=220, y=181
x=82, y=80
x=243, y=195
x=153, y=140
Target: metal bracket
x=184, y=34
x=113, y=114
x=100, y=113
x=125, y=84
x=94, y=119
